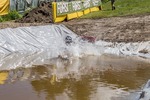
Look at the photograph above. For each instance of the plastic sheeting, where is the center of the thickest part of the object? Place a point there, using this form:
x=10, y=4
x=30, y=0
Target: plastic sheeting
x=141, y=49
x=27, y=46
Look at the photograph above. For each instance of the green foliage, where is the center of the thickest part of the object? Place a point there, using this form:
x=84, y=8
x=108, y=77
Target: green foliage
x=1, y=19
x=104, y=1
x=123, y=8
x=10, y=16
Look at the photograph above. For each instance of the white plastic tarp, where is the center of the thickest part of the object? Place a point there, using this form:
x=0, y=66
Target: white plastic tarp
x=27, y=46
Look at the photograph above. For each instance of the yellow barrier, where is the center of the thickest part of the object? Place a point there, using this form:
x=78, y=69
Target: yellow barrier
x=4, y=7
x=86, y=11
x=94, y=9
x=80, y=13
x=72, y=16
x=55, y=17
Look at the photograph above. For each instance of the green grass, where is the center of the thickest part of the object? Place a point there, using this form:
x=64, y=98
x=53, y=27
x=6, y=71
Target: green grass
x=123, y=8
x=10, y=16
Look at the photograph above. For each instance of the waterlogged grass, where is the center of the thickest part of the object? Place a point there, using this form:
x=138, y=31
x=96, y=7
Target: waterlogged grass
x=123, y=8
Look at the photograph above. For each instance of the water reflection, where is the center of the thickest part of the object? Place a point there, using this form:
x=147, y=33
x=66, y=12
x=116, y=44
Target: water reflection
x=88, y=78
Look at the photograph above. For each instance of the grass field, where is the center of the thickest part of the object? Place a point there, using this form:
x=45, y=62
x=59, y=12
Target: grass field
x=123, y=8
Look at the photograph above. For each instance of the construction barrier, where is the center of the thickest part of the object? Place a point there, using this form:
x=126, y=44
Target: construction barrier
x=4, y=7
x=94, y=9
x=74, y=9
x=55, y=17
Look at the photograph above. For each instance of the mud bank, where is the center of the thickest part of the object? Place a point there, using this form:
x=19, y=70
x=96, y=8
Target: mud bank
x=116, y=29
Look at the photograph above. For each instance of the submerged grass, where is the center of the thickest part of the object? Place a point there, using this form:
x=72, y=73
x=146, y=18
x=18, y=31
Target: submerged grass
x=123, y=8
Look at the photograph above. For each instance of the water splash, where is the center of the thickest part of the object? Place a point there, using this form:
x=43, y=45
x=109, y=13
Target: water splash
x=27, y=46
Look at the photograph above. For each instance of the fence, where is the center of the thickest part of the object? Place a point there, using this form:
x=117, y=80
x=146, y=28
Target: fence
x=74, y=9
x=22, y=5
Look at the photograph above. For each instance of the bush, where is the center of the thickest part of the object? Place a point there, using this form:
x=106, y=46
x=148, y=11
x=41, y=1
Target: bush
x=13, y=15
x=1, y=19
x=104, y=1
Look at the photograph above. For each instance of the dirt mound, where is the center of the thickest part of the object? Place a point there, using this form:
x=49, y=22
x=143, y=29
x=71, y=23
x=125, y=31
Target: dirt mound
x=41, y=14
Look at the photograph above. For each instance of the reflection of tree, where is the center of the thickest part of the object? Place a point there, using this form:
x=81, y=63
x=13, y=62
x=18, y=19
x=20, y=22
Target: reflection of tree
x=143, y=72
x=130, y=79
x=79, y=90
x=121, y=77
x=76, y=89
x=51, y=90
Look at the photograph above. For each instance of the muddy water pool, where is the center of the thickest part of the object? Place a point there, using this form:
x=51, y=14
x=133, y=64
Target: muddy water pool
x=105, y=77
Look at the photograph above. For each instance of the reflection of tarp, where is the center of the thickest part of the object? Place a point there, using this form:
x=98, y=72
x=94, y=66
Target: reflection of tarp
x=4, y=7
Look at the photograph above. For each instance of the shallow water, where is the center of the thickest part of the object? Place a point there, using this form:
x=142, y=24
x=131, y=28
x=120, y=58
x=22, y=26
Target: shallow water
x=105, y=77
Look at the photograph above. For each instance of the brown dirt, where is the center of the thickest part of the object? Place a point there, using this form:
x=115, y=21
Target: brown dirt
x=116, y=29
x=13, y=24
x=41, y=14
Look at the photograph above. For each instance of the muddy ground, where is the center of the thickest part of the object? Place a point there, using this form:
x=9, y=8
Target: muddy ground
x=42, y=13
x=115, y=29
